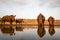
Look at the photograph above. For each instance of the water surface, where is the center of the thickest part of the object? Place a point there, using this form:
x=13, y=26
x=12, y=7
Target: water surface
x=27, y=34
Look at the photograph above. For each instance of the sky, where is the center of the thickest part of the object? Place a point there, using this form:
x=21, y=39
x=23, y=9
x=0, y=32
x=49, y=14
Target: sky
x=30, y=9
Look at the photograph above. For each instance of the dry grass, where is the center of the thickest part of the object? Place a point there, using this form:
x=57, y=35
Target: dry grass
x=34, y=21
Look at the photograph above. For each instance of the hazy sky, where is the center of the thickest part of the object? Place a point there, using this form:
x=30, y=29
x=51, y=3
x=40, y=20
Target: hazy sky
x=30, y=8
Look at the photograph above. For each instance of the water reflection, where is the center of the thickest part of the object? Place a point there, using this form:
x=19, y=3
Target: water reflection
x=51, y=30
x=41, y=30
x=7, y=30
x=10, y=33
x=19, y=28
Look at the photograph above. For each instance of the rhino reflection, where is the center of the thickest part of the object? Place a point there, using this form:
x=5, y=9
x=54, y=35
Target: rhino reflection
x=19, y=28
x=5, y=30
x=41, y=30
x=51, y=30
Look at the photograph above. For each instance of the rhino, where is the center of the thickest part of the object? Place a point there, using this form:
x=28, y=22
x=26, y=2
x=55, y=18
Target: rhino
x=8, y=18
x=40, y=19
x=51, y=20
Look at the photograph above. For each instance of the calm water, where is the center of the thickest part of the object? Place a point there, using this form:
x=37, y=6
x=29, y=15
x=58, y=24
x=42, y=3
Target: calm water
x=27, y=34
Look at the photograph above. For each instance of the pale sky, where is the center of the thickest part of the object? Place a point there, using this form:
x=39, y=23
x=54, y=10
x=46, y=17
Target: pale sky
x=30, y=9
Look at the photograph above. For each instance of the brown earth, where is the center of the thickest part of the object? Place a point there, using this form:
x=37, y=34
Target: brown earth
x=34, y=22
